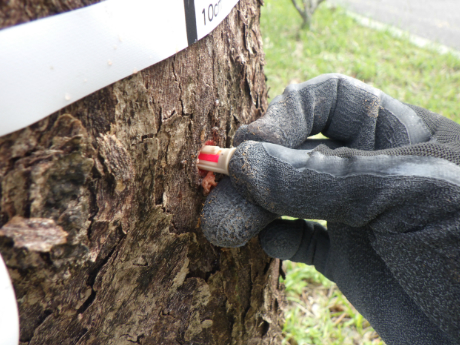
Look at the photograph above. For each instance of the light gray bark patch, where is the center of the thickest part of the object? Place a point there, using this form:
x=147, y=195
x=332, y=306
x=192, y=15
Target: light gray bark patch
x=35, y=234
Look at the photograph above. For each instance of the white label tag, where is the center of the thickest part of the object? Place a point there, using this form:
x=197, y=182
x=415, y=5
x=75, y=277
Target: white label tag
x=9, y=320
x=50, y=63
x=210, y=13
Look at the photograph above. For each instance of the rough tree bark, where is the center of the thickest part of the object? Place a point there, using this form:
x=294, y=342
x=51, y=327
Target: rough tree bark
x=100, y=203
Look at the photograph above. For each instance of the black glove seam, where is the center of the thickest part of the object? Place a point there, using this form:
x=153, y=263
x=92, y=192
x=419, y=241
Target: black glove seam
x=300, y=242
x=339, y=83
x=331, y=112
x=313, y=250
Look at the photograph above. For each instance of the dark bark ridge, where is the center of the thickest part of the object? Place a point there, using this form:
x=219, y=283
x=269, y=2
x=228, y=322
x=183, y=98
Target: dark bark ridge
x=100, y=203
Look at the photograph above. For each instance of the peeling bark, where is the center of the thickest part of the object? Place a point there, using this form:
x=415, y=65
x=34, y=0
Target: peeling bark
x=100, y=203
x=35, y=234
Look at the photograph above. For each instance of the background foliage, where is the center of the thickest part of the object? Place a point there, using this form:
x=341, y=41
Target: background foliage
x=337, y=44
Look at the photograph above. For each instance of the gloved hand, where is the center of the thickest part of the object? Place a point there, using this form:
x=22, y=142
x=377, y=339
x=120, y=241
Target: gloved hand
x=390, y=193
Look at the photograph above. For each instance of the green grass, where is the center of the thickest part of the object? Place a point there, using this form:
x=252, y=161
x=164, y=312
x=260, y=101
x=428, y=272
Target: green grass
x=337, y=44
x=317, y=312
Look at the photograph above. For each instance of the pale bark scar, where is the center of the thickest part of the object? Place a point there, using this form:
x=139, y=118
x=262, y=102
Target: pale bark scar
x=35, y=234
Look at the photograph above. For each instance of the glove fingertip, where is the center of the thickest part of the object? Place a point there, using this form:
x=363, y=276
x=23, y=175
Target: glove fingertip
x=242, y=134
x=260, y=130
x=282, y=238
x=229, y=220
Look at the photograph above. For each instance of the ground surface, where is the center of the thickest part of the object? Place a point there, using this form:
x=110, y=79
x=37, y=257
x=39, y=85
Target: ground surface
x=436, y=20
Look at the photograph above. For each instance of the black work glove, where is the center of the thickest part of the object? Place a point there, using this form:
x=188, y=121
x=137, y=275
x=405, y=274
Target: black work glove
x=390, y=193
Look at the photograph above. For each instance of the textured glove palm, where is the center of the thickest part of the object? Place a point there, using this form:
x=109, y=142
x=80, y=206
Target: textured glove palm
x=388, y=184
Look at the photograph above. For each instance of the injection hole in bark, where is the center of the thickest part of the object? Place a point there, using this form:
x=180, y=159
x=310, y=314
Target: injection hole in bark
x=209, y=178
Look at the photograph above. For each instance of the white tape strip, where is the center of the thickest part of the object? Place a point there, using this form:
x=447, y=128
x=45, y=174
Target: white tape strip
x=9, y=320
x=49, y=63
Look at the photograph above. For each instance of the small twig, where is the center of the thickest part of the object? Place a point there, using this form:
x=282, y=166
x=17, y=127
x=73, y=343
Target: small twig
x=297, y=7
x=341, y=317
x=309, y=7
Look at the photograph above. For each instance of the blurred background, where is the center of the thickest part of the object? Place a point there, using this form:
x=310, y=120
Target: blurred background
x=407, y=48
x=436, y=20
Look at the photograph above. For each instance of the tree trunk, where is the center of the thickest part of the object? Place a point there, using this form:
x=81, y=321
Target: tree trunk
x=100, y=203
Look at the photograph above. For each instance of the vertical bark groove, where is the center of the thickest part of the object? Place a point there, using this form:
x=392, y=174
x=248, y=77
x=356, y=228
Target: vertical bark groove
x=116, y=173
